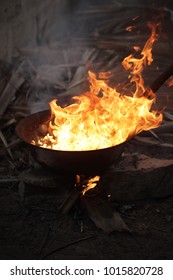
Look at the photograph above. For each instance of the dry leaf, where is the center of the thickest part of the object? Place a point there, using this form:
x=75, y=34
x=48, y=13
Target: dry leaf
x=103, y=215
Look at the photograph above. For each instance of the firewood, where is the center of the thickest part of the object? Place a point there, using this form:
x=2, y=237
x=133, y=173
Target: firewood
x=70, y=200
x=161, y=79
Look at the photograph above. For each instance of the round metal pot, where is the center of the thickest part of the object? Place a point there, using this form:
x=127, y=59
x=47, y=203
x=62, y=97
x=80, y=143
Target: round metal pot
x=77, y=162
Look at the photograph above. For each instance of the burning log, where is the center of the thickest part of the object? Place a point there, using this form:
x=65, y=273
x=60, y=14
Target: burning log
x=96, y=205
x=82, y=185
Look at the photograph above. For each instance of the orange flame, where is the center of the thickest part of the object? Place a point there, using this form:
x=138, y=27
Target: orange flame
x=104, y=117
x=91, y=184
x=136, y=65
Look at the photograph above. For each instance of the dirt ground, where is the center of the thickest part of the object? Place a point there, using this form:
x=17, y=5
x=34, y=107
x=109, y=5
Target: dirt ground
x=31, y=227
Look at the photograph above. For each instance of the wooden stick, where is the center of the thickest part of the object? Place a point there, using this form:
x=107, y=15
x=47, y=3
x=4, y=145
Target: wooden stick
x=161, y=79
x=71, y=200
x=74, y=195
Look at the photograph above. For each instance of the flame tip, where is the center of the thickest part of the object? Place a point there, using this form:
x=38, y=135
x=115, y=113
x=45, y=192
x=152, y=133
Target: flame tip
x=104, y=117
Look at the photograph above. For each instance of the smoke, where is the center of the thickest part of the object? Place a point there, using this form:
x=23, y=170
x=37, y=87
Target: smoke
x=61, y=40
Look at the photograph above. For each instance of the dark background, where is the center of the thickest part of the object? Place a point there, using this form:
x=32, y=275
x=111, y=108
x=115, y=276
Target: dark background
x=37, y=37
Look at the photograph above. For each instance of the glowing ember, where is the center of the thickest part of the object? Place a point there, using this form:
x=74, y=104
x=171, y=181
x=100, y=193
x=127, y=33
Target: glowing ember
x=104, y=117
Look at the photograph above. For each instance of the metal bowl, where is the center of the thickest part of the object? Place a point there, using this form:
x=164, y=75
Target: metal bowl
x=77, y=162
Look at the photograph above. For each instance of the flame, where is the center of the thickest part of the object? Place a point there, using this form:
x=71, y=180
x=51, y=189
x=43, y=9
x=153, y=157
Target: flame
x=104, y=117
x=136, y=65
x=91, y=184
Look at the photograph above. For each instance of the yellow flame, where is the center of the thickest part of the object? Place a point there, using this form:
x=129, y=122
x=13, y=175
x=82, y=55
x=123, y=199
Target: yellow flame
x=91, y=184
x=104, y=117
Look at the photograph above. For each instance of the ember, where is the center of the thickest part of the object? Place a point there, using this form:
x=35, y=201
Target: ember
x=104, y=117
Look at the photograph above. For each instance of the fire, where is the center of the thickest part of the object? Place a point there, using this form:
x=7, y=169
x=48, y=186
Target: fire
x=91, y=184
x=103, y=116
